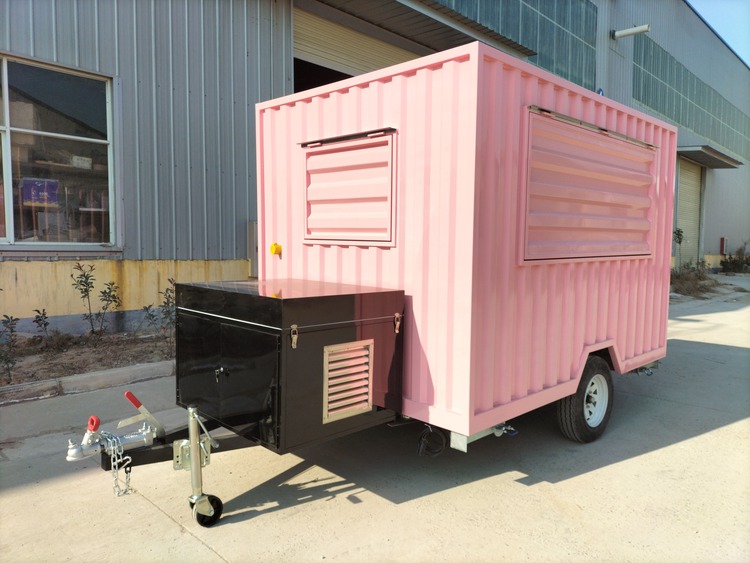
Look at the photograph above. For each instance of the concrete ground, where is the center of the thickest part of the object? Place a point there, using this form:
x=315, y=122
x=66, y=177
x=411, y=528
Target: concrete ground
x=668, y=481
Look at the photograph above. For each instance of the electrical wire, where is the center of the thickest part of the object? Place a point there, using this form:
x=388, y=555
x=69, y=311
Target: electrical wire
x=431, y=442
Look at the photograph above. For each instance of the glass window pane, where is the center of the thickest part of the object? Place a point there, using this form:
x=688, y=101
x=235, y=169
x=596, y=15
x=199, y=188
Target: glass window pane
x=46, y=100
x=61, y=190
x=2, y=190
x=2, y=97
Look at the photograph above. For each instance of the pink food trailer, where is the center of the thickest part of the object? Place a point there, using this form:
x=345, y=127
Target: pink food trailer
x=492, y=237
x=528, y=221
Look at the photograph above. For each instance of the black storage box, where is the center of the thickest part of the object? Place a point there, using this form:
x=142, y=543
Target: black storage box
x=289, y=363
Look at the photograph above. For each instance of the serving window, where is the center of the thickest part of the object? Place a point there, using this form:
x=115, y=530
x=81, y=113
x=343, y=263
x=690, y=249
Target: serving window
x=589, y=193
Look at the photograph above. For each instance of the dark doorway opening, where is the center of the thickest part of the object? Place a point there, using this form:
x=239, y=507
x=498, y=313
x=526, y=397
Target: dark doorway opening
x=309, y=75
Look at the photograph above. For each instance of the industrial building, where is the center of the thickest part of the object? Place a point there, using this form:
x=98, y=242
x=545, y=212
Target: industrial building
x=127, y=127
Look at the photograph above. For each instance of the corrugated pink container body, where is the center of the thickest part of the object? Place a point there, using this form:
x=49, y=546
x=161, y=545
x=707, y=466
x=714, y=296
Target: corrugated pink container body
x=528, y=221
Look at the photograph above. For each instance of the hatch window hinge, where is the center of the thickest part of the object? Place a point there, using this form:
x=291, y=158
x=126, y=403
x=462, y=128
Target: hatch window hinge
x=295, y=335
x=397, y=322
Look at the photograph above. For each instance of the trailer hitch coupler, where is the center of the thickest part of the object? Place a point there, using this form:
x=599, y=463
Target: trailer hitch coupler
x=90, y=444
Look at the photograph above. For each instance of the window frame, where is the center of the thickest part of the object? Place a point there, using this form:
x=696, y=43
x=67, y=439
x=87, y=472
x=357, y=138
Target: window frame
x=634, y=207
x=9, y=245
x=351, y=144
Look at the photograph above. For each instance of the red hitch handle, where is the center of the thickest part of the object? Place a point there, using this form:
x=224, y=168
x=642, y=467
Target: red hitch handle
x=133, y=400
x=144, y=411
x=94, y=423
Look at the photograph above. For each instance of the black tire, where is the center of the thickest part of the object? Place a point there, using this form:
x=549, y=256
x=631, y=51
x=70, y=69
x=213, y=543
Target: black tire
x=583, y=417
x=208, y=521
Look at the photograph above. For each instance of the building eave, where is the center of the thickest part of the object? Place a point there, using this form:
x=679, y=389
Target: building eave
x=708, y=156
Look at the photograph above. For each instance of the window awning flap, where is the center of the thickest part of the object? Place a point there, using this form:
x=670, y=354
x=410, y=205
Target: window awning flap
x=709, y=157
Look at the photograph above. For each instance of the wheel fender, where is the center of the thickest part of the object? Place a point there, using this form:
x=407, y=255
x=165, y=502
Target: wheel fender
x=608, y=346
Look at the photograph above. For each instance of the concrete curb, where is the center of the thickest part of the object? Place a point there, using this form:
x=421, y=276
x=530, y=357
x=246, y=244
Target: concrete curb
x=85, y=382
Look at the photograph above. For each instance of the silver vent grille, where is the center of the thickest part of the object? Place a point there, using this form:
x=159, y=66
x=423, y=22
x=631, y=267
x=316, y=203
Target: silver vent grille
x=347, y=387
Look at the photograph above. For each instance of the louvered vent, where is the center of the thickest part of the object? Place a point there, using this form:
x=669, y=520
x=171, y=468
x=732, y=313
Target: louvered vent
x=347, y=387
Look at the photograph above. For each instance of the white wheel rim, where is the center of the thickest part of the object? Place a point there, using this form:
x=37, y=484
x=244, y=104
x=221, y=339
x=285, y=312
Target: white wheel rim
x=595, y=401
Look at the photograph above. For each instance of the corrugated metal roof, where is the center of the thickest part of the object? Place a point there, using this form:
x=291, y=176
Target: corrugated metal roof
x=428, y=23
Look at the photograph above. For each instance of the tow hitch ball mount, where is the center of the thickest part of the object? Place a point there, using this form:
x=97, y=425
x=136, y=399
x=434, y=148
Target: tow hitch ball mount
x=191, y=455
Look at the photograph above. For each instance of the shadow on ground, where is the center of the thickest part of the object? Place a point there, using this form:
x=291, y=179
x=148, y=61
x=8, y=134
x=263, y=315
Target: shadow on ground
x=695, y=391
x=698, y=389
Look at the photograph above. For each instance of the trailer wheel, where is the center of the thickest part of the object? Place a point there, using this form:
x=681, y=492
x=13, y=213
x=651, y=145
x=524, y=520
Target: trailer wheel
x=208, y=521
x=582, y=417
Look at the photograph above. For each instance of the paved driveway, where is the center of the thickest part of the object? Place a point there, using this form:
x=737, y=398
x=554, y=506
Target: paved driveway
x=669, y=480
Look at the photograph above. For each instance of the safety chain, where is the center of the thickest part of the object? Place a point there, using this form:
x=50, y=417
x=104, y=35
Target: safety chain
x=118, y=461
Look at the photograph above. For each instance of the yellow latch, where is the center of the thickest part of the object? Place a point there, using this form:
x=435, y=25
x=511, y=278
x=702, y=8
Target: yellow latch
x=276, y=249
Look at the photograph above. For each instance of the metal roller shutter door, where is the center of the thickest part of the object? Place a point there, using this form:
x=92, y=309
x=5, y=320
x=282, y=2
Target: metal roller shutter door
x=340, y=48
x=689, y=210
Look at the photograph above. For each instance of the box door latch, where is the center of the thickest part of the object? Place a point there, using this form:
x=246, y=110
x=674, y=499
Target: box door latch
x=295, y=335
x=397, y=322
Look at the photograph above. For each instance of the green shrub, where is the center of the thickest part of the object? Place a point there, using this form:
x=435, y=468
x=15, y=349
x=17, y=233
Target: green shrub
x=164, y=319
x=8, y=344
x=109, y=297
x=738, y=262
x=692, y=280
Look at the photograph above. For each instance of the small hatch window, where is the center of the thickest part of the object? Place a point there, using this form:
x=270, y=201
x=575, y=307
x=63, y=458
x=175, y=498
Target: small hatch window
x=350, y=190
